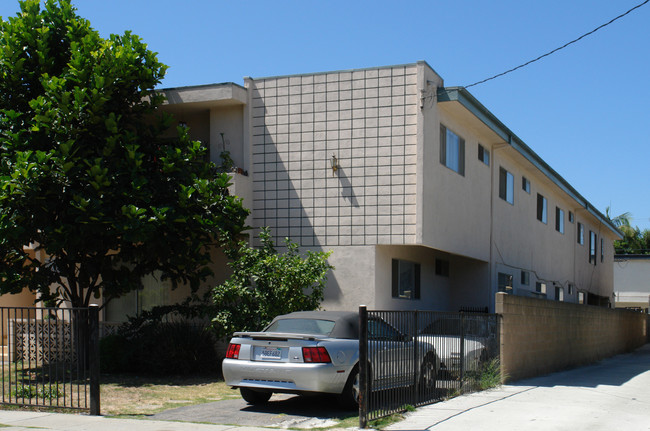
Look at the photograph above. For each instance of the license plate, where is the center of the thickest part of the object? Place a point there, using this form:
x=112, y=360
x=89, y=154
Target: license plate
x=272, y=353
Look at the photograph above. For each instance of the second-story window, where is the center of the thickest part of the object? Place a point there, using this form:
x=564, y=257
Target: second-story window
x=581, y=234
x=542, y=209
x=593, y=238
x=483, y=155
x=506, y=186
x=559, y=220
x=452, y=150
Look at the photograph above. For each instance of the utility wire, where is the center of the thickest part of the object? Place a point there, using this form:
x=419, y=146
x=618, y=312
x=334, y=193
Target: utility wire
x=557, y=49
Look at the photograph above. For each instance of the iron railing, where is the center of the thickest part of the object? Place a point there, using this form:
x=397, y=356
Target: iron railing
x=50, y=357
x=413, y=358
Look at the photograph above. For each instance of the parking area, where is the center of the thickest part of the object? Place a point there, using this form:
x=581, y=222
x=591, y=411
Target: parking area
x=282, y=411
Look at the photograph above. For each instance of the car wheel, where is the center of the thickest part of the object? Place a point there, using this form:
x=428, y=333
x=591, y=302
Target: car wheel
x=255, y=397
x=349, y=398
x=428, y=374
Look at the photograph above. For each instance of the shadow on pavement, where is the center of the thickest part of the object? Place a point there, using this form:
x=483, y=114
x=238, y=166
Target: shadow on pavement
x=613, y=371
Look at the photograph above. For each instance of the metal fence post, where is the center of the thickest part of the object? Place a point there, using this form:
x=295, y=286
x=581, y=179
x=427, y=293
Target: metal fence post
x=462, y=349
x=363, y=367
x=93, y=358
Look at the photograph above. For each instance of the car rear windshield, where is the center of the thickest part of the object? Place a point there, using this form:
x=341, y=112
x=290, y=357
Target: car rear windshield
x=302, y=326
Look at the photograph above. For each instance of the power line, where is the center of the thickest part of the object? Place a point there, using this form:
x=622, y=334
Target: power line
x=557, y=49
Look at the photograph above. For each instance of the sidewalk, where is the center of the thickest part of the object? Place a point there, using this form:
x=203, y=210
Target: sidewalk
x=613, y=394
x=28, y=421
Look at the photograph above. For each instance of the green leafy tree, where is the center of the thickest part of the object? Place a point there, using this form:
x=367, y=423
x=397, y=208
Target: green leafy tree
x=635, y=241
x=265, y=283
x=86, y=175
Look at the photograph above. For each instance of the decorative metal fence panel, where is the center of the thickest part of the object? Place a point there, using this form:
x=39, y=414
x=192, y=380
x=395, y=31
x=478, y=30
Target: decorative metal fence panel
x=49, y=357
x=413, y=358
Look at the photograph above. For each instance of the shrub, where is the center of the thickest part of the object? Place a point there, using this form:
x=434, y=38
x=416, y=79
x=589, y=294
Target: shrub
x=165, y=340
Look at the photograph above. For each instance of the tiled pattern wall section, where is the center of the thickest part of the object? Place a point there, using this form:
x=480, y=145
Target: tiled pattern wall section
x=367, y=119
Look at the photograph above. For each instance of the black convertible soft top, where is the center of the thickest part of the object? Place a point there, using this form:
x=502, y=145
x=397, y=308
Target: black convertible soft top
x=346, y=323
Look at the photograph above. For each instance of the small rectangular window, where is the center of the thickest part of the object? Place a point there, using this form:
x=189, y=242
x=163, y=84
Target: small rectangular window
x=505, y=282
x=570, y=289
x=506, y=186
x=406, y=279
x=593, y=238
x=442, y=267
x=483, y=155
x=581, y=297
x=542, y=209
x=581, y=234
x=525, y=278
x=571, y=217
x=559, y=220
x=540, y=287
x=525, y=185
x=452, y=150
x=602, y=249
x=559, y=293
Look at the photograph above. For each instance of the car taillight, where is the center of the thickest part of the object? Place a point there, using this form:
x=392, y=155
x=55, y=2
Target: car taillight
x=315, y=354
x=233, y=351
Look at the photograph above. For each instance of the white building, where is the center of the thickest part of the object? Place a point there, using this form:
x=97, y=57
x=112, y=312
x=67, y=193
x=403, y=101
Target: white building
x=427, y=200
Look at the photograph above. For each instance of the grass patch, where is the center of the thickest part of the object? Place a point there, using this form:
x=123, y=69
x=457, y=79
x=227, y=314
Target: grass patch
x=490, y=376
x=130, y=395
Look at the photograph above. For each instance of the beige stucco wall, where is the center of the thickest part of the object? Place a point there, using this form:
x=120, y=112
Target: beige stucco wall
x=540, y=336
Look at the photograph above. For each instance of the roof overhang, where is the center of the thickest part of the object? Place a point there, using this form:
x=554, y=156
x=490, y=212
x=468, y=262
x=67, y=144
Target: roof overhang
x=204, y=97
x=462, y=97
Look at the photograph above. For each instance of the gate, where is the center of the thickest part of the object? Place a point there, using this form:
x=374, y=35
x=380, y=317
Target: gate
x=50, y=357
x=413, y=358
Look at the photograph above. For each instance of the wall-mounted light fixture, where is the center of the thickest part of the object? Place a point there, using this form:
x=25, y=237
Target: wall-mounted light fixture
x=335, y=164
x=182, y=124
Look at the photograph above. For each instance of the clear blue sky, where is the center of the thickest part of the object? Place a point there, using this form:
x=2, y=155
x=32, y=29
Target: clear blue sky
x=585, y=110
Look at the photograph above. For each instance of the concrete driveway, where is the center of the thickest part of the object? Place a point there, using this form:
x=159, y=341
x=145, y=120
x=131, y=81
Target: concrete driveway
x=613, y=394
x=282, y=411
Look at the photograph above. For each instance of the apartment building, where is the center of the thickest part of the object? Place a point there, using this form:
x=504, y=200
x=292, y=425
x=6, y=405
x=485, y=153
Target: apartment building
x=427, y=200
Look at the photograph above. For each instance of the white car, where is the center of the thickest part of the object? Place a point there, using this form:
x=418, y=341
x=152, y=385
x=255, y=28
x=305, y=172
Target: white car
x=318, y=352
x=444, y=334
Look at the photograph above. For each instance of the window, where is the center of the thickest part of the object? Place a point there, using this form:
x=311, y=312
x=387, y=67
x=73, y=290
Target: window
x=154, y=292
x=525, y=278
x=581, y=234
x=406, y=279
x=602, y=249
x=541, y=208
x=559, y=220
x=540, y=288
x=592, y=246
x=571, y=217
x=483, y=155
x=452, y=150
x=571, y=288
x=505, y=282
x=506, y=186
x=581, y=297
x=559, y=293
x=525, y=185
x=442, y=267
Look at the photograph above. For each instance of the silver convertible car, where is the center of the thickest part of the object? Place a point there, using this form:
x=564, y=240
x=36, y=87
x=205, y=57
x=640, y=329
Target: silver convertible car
x=318, y=352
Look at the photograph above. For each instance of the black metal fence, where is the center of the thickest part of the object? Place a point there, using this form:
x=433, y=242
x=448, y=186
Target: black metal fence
x=413, y=358
x=50, y=357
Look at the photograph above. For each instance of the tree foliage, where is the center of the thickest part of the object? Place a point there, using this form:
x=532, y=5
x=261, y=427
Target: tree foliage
x=265, y=283
x=635, y=241
x=87, y=177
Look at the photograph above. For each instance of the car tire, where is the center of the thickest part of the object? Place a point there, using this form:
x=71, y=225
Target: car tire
x=255, y=397
x=349, y=398
x=428, y=374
